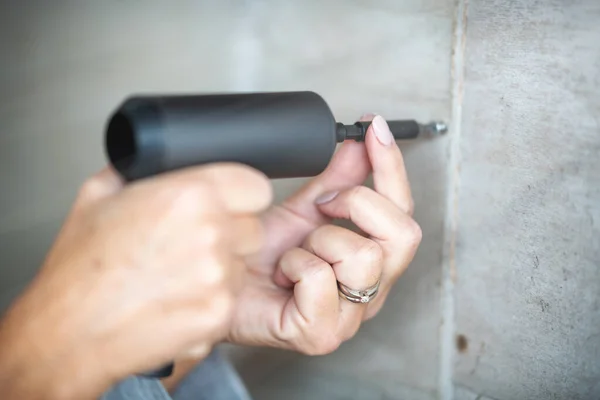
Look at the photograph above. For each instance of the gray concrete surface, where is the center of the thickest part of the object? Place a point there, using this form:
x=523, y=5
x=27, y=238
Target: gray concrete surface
x=510, y=254
x=462, y=393
x=528, y=241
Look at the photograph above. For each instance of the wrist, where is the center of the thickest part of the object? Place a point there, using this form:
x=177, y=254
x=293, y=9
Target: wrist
x=38, y=362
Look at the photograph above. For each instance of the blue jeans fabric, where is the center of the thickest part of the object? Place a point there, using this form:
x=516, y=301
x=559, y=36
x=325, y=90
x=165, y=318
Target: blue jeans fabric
x=213, y=379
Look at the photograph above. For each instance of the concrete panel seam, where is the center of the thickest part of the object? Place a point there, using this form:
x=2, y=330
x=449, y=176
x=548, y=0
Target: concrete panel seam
x=446, y=388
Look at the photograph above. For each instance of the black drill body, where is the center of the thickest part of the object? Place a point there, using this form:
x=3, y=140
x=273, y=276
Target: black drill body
x=284, y=135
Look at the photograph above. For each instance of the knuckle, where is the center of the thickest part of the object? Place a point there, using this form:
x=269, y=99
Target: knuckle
x=317, y=235
x=185, y=199
x=414, y=234
x=307, y=260
x=360, y=197
x=90, y=189
x=214, y=276
x=327, y=344
x=369, y=253
x=255, y=178
x=359, y=192
x=291, y=255
x=287, y=256
x=322, y=344
x=210, y=235
x=316, y=265
x=324, y=232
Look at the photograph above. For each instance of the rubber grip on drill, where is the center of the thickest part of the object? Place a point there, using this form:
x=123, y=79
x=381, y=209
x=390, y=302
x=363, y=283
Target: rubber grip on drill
x=162, y=372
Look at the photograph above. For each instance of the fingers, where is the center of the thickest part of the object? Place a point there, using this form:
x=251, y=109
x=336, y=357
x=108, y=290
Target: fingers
x=371, y=212
x=395, y=231
x=356, y=260
x=348, y=167
x=314, y=308
x=315, y=283
x=239, y=188
x=101, y=185
x=389, y=173
x=357, y=263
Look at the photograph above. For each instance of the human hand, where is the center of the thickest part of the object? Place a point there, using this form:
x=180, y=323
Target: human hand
x=291, y=298
x=138, y=276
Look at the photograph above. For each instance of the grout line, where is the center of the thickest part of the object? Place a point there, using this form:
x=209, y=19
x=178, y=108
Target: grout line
x=447, y=333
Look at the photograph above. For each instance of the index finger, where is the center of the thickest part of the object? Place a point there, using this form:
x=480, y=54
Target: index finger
x=239, y=188
x=389, y=172
x=348, y=167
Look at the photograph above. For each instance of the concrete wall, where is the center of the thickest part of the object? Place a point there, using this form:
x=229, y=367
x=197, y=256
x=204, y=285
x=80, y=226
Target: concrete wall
x=527, y=247
x=507, y=202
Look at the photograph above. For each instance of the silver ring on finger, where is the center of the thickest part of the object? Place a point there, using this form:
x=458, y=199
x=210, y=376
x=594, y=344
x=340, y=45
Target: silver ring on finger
x=363, y=296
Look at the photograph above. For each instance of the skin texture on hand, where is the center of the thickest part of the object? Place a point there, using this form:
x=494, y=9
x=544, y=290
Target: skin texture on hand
x=291, y=300
x=171, y=265
x=137, y=276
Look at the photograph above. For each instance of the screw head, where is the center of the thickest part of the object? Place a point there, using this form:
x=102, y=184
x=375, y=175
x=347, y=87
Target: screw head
x=438, y=127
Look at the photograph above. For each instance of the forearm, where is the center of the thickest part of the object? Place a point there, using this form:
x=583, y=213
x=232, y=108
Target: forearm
x=37, y=364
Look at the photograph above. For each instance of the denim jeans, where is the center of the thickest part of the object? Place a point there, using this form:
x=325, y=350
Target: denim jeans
x=213, y=379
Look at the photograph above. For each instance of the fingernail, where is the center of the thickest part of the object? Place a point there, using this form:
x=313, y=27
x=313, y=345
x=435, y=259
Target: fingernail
x=382, y=131
x=326, y=197
x=367, y=117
